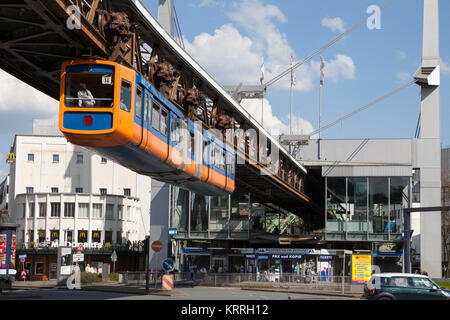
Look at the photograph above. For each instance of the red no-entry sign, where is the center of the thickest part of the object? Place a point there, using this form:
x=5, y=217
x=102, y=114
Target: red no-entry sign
x=157, y=246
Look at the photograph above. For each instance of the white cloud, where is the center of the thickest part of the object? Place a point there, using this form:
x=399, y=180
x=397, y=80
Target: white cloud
x=335, y=24
x=211, y=3
x=401, y=55
x=232, y=57
x=272, y=123
x=445, y=68
x=227, y=55
x=340, y=67
x=403, y=77
x=20, y=97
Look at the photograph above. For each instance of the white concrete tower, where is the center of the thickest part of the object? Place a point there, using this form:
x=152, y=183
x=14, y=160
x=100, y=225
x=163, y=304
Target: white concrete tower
x=166, y=15
x=429, y=143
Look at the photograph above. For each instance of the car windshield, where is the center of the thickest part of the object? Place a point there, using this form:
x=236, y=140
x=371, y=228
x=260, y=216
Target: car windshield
x=89, y=90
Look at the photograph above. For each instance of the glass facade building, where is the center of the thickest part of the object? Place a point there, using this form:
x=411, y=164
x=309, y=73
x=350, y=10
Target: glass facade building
x=196, y=217
x=366, y=208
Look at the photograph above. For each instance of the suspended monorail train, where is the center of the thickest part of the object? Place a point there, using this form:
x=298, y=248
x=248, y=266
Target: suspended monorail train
x=116, y=112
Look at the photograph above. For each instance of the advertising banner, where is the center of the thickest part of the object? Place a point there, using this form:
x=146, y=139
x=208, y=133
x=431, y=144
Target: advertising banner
x=13, y=252
x=361, y=268
x=2, y=251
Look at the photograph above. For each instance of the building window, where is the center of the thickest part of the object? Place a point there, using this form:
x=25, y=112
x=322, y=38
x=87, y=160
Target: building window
x=96, y=236
x=42, y=209
x=31, y=208
x=41, y=234
x=39, y=268
x=55, y=190
x=103, y=191
x=83, y=210
x=97, y=210
x=69, y=209
x=55, y=209
x=23, y=207
x=56, y=158
x=82, y=236
x=127, y=192
x=120, y=212
x=30, y=190
x=31, y=157
x=78, y=190
x=109, y=215
x=80, y=158
x=119, y=237
x=104, y=160
x=108, y=237
x=54, y=235
x=416, y=186
x=69, y=237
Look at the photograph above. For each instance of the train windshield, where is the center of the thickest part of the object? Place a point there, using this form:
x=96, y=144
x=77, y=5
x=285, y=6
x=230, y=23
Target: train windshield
x=89, y=89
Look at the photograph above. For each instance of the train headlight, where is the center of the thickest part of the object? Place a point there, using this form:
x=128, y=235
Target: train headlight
x=88, y=120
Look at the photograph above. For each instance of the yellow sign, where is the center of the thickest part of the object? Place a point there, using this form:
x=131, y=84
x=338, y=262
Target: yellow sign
x=361, y=268
x=10, y=158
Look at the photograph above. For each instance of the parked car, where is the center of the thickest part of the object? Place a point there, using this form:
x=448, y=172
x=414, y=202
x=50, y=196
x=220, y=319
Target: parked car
x=403, y=286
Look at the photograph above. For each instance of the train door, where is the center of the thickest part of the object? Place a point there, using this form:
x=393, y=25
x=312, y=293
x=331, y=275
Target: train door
x=198, y=150
x=175, y=140
x=164, y=130
x=206, y=157
x=146, y=123
x=184, y=145
x=138, y=112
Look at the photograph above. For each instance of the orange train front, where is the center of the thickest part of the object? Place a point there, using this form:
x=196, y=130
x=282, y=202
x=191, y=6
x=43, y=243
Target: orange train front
x=115, y=111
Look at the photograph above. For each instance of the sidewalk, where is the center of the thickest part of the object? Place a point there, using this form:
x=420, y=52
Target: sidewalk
x=319, y=289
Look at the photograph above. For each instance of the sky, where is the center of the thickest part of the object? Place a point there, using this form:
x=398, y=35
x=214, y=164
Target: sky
x=230, y=39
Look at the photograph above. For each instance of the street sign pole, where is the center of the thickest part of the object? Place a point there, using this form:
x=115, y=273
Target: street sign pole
x=147, y=263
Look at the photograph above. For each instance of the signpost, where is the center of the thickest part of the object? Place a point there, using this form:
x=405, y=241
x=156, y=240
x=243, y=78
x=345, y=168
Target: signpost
x=168, y=265
x=167, y=281
x=157, y=246
x=114, y=259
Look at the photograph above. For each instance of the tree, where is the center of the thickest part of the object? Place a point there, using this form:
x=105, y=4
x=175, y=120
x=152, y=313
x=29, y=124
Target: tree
x=446, y=238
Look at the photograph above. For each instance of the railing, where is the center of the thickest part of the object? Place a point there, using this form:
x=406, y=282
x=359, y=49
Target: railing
x=137, y=247
x=335, y=284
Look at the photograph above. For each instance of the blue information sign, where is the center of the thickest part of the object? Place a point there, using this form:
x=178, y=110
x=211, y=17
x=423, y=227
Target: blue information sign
x=168, y=265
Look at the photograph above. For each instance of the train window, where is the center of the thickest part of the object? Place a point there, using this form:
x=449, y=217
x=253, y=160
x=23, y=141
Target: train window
x=125, y=96
x=146, y=107
x=192, y=144
x=89, y=89
x=174, y=126
x=230, y=163
x=164, y=122
x=138, y=108
x=219, y=159
x=155, y=116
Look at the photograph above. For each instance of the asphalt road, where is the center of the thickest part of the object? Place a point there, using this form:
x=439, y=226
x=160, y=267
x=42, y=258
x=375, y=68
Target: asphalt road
x=197, y=293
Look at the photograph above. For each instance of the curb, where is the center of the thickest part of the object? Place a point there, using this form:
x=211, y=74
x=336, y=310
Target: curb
x=286, y=290
x=140, y=291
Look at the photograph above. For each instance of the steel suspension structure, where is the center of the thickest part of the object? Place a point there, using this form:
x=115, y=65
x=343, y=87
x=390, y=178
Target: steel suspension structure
x=36, y=36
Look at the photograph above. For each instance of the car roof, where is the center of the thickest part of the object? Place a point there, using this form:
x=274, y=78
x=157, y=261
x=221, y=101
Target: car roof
x=394, y=274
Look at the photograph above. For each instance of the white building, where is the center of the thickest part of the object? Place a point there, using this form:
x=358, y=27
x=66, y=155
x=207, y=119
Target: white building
x=66, y=192
x=4, y=191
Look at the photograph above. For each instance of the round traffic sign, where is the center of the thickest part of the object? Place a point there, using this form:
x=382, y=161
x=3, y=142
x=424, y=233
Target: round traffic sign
x=168, y=265
x=157, y=246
